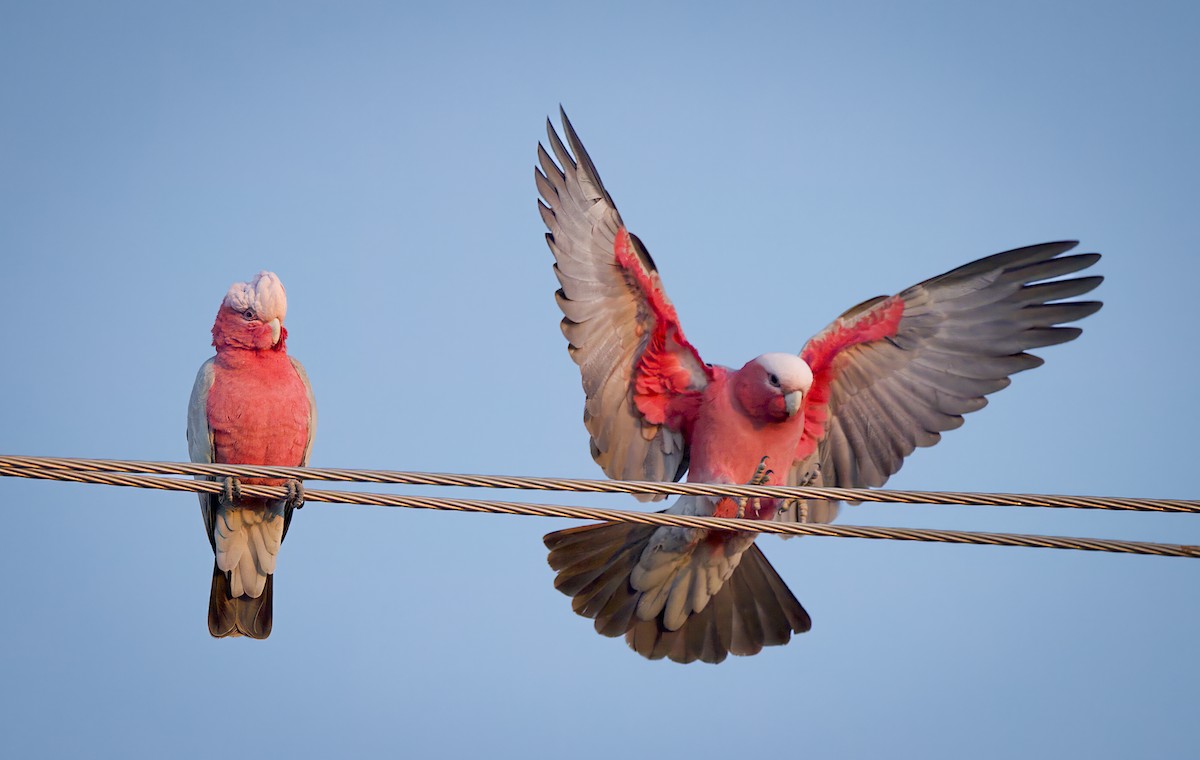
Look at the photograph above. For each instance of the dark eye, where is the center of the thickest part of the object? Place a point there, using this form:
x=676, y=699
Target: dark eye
x=774, y=379
x=248, y=314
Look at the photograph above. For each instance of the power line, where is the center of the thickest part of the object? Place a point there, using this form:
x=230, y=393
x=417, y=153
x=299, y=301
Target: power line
x=345, y=475
x=592, y=513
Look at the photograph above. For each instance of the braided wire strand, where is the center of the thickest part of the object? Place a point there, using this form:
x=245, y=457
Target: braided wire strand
x=346, y=475
x=617, y=515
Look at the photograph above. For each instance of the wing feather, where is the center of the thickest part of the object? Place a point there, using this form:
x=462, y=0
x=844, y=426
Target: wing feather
x=892, y=374
x=622, y=330
x=200, y=439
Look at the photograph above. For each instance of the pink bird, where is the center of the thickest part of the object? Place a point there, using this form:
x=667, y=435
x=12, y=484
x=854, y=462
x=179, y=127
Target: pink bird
x=885, y=377
x=251, y=404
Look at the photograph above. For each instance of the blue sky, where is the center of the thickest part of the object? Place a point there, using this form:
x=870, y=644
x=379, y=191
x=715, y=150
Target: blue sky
x=782, y=161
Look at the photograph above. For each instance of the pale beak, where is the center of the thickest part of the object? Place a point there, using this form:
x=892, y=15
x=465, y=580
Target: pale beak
x=792, y=402
x=276, y=327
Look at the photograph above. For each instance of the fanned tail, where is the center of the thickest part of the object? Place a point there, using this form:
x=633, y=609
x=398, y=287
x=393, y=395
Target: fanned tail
x=240, y=616
x=753, y=609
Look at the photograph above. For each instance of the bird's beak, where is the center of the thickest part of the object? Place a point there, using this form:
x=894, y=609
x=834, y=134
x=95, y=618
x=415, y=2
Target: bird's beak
x=276, y=330
x=792, y=401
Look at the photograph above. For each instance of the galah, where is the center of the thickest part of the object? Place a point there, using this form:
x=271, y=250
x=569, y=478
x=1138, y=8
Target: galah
x=251, y=404
x=885, y=377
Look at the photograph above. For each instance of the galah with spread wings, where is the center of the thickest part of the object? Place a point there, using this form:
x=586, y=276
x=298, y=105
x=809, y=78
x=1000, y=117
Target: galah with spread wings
x=251, y=404
x=885, y=377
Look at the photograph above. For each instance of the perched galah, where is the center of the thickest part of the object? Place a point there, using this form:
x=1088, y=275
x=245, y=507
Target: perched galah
x=887, y=376
x=251, y=404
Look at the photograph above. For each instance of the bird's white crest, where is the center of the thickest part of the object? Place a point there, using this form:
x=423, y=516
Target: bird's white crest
x=264, y=294
x=792, y=371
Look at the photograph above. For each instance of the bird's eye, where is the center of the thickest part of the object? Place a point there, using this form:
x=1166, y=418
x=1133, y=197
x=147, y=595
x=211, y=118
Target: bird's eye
x=774, y=379
x=248, y=314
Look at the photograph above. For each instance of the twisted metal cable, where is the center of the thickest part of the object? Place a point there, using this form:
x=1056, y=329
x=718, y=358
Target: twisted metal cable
x=601, y=486
x=620, y=515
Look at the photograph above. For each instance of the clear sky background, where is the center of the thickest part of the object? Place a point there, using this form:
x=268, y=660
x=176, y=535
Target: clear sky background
x=782, y=161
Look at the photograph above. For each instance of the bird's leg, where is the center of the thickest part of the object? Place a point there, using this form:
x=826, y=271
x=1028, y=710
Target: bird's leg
x=231, y=493
x=761, y=477
x=295, y=494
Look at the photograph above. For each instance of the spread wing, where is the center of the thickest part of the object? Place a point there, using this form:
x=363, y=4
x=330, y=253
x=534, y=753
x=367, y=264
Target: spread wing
x=200, y=440
x=641, y=377
x=893, y=373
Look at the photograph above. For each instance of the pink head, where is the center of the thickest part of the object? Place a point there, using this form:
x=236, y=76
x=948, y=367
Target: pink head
x=771, y=387
x=251, y=316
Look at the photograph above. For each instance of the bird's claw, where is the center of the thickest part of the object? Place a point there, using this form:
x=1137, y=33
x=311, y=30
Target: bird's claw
x=231, y=492
x=809, y=478
x=761, y=477
x=295, y=494
x=761, y=473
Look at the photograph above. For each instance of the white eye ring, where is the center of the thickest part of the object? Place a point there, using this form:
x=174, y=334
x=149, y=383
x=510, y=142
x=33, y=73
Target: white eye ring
x=773, y=379
x=248, y=314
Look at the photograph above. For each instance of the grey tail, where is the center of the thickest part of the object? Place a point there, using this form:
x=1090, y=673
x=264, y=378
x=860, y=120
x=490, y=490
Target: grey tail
x=753, y=609
x=243, y=616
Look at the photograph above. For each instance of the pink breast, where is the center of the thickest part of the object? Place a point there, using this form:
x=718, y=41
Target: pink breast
x=726, y=446
x=258, y=411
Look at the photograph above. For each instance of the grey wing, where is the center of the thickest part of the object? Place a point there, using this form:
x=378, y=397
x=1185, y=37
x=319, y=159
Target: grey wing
x=200, y=439
x=960, y=337
x=613, y=306
x=312, y=410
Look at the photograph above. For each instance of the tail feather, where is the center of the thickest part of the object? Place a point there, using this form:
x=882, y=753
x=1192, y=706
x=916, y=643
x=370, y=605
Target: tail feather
x=795, y=615
x=747, y=628
x=594, y=568
x=777, y=620
x=753, y=609
x=238, y=616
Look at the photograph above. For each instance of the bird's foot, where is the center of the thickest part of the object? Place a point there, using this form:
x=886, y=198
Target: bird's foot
x=807, y=480
x=295, y=494
x=231, y=492
x=811, y=476
x=761, y=477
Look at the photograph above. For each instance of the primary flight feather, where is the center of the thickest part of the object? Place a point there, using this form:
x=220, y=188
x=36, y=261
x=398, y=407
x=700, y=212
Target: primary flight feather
x=887, y=376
